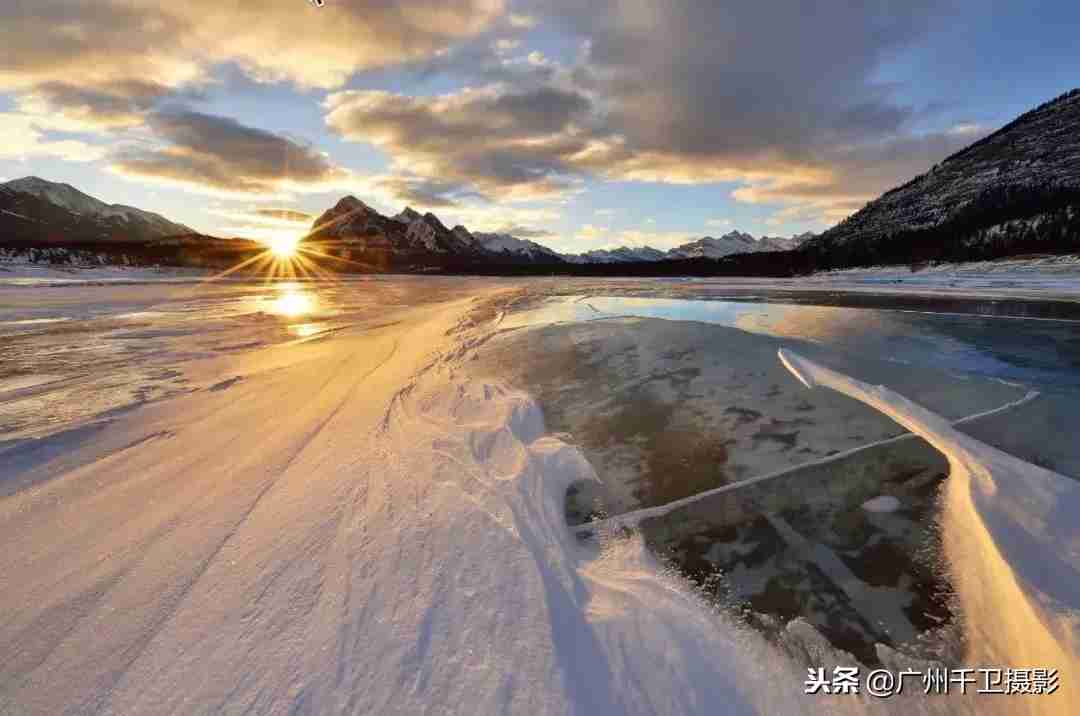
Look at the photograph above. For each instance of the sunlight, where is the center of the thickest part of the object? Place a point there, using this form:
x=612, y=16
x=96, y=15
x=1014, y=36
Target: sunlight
x=292, y=303
x=284, y=246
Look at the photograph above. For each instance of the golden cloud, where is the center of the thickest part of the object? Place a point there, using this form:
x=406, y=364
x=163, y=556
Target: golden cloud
x=112, y=45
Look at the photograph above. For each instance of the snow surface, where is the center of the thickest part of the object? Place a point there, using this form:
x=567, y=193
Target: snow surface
x=58, y=266
x=359, y=525
x=354, y=527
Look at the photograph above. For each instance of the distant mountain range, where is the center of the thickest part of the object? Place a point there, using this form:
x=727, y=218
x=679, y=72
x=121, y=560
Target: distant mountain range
x=34, y=210
x=353, y=230
x=1015, y=191
x=734, y=242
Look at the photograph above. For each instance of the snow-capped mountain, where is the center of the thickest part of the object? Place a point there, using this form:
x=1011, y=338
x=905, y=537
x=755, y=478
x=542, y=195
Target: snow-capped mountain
x=734, y=242
x=1014, y=191
x=515, y=247
x=621, y=255
x=412, y=239
x=354, y=230
x=708, y=247
x=32, y=208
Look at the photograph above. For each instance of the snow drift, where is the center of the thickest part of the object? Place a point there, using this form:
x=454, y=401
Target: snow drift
x=1011, y=541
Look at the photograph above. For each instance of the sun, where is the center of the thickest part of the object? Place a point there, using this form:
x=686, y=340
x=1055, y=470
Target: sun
x=284, y=246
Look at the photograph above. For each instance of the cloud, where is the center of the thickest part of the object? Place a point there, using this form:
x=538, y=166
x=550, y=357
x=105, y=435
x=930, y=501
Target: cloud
x=523, y=221
x=289, y=216
x=696, y=91
x=524, y=232
x=526, y=22
x=590, y=233
x=784, y=100
x=505, y=44
x=859, y=173
x=272, y=39
x=695, y=77
x=64, y=105
x=256, y=222
x=501, y=143
x=423, y=193
x=263, y=216
x=127, y=53
x=684, y=92
x=21, y=137
x=718, y=223
x=218, y=155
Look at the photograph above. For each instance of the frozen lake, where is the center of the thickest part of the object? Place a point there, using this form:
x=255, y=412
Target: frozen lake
x=290, y=496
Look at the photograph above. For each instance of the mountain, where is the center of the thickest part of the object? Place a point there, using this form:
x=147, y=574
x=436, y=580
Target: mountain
x=49, y=222
x=521, y=249
x=413, y=241
x=33, y=209
x=734, y=242
x=1014, y=191
x=354, y=231
x=621, y=255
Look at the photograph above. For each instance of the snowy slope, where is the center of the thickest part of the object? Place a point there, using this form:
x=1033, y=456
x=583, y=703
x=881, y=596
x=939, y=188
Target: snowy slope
x=64, y=196
x=507, y=244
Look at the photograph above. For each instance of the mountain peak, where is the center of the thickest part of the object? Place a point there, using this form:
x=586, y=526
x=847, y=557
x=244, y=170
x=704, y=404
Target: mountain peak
x=350, y=203
x=736, y=235
x=408, y=215
x=33, y=182
x=58, y=193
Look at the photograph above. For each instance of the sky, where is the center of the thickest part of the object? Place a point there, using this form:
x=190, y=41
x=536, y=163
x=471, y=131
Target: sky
x=581, y=125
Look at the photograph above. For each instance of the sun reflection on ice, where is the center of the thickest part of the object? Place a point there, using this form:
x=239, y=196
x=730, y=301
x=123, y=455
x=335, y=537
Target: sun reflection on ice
x=306, y=330
x=292, y=303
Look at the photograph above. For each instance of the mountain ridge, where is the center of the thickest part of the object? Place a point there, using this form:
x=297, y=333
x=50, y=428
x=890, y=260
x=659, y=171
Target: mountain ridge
x=1015, y=190
x=118, y=222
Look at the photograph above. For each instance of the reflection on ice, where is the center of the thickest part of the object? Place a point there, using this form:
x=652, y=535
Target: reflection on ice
x=306, y=330
x=291, y=303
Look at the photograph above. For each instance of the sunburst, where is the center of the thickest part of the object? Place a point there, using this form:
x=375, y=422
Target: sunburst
x=284, y=246
x=290, y=257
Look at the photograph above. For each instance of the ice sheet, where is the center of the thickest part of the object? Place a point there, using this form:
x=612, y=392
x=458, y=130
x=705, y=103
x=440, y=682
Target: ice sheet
x=1011, y=541
x=361, y=526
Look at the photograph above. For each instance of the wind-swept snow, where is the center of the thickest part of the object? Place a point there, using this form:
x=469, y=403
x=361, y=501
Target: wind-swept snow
x=353, y=527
